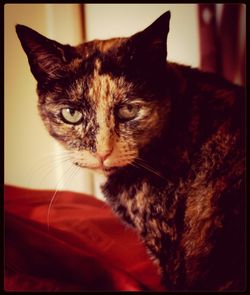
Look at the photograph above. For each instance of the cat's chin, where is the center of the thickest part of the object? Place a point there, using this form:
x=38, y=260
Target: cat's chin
x=105, y=170
x=109, y=171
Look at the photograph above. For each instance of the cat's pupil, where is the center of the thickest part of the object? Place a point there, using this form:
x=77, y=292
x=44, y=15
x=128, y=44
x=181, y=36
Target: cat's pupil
x=129, y=108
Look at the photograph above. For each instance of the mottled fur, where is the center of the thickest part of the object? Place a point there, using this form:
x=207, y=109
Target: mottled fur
x=175, y=170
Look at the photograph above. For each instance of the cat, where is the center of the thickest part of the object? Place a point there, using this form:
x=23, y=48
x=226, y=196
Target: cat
x=169, y=138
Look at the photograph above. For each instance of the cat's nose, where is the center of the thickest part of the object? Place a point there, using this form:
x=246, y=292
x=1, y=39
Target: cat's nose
x=103, y=155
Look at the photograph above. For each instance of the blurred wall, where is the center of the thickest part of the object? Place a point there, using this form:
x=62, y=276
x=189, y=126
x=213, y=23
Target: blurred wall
x=32, y=158
x=113, y=20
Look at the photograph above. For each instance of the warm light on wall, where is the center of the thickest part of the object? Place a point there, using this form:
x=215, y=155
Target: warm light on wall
x=120, y=20
x=31, y=155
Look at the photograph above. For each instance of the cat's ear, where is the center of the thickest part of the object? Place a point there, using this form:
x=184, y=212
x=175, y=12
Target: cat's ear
x=47, y=58
x=151, y=43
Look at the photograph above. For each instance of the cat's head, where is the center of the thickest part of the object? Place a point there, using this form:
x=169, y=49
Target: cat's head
x=102, y=100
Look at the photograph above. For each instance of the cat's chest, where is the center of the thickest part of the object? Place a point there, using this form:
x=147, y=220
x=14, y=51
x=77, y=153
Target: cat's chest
x=161, y=214
x=136, y=205
x=145, y=207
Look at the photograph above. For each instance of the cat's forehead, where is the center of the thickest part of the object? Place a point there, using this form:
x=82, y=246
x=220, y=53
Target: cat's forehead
x=98, y=86
x=93, y=88
x=105, y=86
x=101, y=46
x=91, y=81
x=111, y=44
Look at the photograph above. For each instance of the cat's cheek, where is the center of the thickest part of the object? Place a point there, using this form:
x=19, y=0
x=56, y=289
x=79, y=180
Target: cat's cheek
x=149, y=131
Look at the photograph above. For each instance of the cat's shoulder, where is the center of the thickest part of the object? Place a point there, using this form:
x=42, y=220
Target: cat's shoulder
x=205, y=80
x=210, y=91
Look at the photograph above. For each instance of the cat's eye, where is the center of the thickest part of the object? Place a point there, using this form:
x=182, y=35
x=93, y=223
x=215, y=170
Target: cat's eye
x=71, y=116
x=128, y=111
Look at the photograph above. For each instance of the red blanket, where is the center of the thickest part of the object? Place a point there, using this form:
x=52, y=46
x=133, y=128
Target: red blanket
x=85, y=248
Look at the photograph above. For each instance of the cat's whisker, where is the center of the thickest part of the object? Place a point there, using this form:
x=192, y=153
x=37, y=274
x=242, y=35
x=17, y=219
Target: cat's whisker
x=49, y=170
x=72, y=171
x=51, y=158
x=141, y=160
x=57, y=153
x=149, y=168
x=50, y=162
x=45, y=168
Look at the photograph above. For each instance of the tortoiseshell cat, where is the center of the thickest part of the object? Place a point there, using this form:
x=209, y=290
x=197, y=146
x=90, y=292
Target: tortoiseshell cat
x=169, y=138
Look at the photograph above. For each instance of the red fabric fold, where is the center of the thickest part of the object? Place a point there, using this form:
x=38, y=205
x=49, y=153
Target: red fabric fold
x=85, y=248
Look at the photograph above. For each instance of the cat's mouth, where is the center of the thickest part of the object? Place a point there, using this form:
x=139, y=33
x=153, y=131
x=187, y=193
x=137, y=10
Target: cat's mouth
x=103, y=169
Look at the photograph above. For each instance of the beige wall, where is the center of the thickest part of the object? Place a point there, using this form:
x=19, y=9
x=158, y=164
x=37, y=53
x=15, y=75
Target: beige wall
x=112, y=20
x=29, y=158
